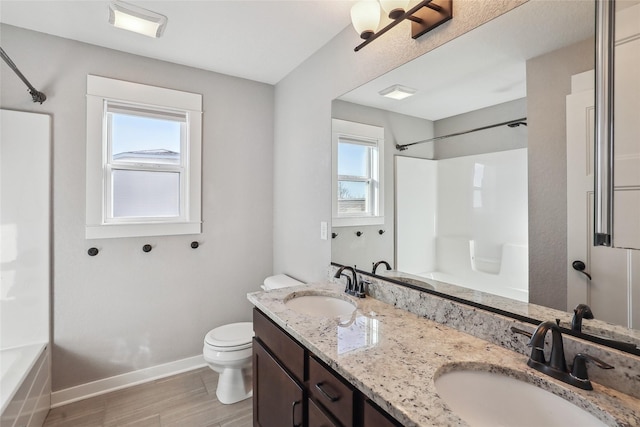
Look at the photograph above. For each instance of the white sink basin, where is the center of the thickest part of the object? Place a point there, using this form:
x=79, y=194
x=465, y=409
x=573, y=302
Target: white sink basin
x=489, y=399
x=320, y=305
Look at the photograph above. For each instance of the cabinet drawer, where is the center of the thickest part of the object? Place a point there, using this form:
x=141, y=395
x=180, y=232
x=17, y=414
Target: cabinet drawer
x=317, y=418
x=331, y=392
x=290, y=354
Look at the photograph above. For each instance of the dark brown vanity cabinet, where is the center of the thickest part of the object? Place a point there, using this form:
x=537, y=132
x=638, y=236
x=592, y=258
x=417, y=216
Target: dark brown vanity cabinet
x=291, y=387
x=278, y=398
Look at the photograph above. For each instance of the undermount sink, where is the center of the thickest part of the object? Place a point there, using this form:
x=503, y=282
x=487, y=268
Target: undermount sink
x=319, y=305
x=491, y=399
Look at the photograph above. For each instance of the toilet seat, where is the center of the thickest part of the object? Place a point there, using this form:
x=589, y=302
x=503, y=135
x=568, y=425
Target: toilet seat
x=231, y=337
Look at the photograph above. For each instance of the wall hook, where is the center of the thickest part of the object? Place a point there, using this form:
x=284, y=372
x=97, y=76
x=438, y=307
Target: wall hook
x=381, y=232
x=359, y=233
x=147, y=248
x=194, y=245
x=93, y=251
x=334, y=235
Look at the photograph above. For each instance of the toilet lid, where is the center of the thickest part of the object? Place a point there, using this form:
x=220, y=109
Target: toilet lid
x=231, y=335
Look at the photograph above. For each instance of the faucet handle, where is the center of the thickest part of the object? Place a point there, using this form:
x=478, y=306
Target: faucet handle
x=362, y=288
x=579, y=369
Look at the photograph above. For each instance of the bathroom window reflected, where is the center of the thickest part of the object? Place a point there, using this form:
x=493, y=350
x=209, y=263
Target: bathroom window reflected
x=358, y=174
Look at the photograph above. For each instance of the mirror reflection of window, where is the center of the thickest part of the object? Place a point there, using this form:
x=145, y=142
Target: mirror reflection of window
x=358, y=174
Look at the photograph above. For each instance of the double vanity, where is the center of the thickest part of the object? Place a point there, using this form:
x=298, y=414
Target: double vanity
x=324, y=358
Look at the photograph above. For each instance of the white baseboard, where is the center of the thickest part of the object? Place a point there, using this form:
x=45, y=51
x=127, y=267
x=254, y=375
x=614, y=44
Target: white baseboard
x=106, y=385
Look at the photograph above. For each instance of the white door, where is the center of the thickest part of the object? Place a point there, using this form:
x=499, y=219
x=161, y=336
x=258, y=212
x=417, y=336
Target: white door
x=609, y=292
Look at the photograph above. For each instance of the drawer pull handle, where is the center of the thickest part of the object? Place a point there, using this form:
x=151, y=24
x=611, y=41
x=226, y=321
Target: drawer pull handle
x=326, y=394
x=293, y=413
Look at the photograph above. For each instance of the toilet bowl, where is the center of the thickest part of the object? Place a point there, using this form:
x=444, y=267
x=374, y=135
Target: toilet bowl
x=227, y=350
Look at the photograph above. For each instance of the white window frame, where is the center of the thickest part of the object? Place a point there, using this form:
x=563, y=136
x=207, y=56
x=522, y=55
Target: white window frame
x=368, y=135
x=99, y=223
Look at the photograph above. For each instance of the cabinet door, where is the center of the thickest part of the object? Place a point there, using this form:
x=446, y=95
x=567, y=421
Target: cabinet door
x=374, y=417
x=278, y=400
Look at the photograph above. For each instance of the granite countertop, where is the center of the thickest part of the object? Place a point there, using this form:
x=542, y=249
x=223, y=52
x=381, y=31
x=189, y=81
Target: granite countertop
x=393, y=356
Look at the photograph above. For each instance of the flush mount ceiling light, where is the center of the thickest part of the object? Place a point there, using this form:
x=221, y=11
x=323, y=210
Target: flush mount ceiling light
x=424, y=17
x=133, y=18
x=397, y=92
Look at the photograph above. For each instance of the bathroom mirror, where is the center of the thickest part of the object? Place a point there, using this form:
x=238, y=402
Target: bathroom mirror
x=477, y=209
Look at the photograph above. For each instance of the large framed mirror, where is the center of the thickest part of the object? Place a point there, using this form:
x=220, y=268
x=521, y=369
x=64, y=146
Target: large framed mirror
x=488, y=172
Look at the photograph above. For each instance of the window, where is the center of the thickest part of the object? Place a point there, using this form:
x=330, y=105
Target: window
x=358, y=155
x=143, y=160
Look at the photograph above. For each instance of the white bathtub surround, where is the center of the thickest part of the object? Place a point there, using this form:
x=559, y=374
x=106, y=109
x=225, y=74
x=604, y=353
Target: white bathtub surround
x=25, y=385
x=24, y=256
x=472, y=227
x=393, y=357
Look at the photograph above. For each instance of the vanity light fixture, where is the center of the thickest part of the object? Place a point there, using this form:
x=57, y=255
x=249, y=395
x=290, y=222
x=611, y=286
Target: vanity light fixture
x=133, y=18
x=397, y=92
x=424, y=17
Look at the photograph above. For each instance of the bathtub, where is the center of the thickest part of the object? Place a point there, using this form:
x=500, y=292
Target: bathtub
x=25, y=385
x=459, y=263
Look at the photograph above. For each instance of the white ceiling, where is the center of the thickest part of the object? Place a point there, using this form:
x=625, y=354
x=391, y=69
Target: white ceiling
x=484, y=67
x=261, y=40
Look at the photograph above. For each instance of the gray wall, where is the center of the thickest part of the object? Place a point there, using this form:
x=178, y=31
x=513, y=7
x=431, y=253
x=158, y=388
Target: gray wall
x=123, y=309
x=302, y=150
x=548, y=84
x=486, y=141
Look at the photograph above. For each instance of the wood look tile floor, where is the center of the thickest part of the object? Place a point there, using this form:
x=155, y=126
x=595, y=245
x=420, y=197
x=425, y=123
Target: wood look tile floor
x=185, y=400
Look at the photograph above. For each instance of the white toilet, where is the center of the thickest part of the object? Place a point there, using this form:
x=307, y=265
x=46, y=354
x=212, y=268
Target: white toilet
x=227, y=350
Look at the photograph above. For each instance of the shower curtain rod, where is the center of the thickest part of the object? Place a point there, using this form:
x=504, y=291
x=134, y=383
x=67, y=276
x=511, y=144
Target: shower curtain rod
x=35, y=94
x=510, y=123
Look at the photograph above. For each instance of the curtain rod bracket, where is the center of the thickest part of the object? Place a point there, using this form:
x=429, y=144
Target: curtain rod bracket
x=36, y=95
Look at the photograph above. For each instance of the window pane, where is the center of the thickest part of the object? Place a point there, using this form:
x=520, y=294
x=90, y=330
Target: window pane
x=140, y=139
x=145, y=194
x=352, y=197
x=353, y=159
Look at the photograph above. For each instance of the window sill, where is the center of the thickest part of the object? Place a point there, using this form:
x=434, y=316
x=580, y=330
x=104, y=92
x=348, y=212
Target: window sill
x=357, y=221
x=108, y=231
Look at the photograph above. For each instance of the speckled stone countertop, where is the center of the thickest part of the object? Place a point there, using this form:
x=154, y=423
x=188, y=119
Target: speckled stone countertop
x=393, y=357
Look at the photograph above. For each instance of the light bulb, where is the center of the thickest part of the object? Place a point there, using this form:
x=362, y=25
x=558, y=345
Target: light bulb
x=365, y=17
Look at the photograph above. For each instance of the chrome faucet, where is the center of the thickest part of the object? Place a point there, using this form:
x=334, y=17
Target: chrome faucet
x=375, y=266
x=352, y=282
x=556, y=367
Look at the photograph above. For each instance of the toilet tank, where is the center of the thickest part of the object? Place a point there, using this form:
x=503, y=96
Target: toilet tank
x=279, y=281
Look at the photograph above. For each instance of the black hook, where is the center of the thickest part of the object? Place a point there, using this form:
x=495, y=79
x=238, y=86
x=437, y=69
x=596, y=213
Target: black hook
x=381, y=232
x=93, y=251
x=334, y=235
x=147, y=248
x=580, y=266
x=359, y=233
x=194, y=245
